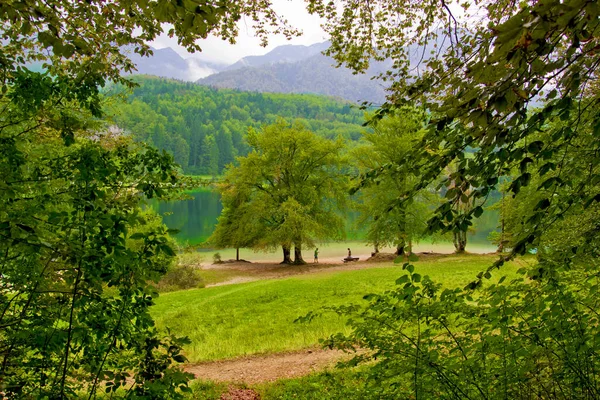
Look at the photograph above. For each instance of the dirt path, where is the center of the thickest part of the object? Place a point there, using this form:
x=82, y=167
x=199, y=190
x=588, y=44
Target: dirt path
x=267, y=368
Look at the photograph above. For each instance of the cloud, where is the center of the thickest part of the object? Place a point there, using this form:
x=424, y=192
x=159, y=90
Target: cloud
x=196, y=69
x=220, y=51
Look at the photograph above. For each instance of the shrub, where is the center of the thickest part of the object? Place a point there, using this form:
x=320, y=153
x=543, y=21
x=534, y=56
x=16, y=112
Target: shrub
x=533, y=337
x=180, y=277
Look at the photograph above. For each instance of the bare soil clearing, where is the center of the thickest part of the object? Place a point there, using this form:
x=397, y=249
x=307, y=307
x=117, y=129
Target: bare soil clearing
x=253, y=271
x=240, y=394
x=266, y=368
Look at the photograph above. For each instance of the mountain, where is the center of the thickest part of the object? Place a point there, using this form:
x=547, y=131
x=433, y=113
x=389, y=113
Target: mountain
x=167, y=63
x=313, y=74
x=281, y=54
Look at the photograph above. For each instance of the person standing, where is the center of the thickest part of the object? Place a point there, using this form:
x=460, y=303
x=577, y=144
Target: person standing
x=316, y=260
x=349, y=254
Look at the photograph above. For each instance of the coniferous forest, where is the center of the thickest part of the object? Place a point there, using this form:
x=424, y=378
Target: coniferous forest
x=205, y=129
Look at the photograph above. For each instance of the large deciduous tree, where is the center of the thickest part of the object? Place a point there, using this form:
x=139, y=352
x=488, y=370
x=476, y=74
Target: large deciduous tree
x=392, y=222
x=291, y=189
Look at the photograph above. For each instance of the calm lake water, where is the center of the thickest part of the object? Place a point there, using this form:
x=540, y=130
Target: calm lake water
x=196, y=219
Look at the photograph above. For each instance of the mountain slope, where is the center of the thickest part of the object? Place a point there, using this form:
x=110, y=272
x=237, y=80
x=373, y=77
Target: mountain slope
x=280, y=54
x=167, y=63
x=205, y=129
x=315, y=74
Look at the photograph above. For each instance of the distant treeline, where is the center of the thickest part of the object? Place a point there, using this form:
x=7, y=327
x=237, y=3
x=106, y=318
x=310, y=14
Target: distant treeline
x=205, y=128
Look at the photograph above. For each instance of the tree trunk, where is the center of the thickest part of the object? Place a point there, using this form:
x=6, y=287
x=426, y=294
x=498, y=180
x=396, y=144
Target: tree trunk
x=375, y=250
x=501, y=242
x=237, y=254
x=400, y=249
x=287, y=259
x=460, y=242
x=298, y=253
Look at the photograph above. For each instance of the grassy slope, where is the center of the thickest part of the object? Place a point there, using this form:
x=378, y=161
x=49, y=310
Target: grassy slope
x=257, y=317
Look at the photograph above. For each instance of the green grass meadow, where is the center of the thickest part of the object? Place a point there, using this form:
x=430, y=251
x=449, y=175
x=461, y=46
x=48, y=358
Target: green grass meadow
x=231, y=321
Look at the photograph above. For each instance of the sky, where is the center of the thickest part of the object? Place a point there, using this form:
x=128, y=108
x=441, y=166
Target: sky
x=218, y=50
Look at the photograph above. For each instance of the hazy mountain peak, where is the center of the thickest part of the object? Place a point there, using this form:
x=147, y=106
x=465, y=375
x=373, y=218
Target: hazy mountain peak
x=288, y=53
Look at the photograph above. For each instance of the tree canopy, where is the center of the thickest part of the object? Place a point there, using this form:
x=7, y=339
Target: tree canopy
x=493, y=74
x=287, y=190
x=205, y=129
x=512, y=88
x=389, y=145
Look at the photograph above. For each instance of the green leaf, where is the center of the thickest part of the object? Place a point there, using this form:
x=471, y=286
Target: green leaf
x=412, y=257
x=180, y=358
x=168, y=250
x=542, y=204
x=535, y=147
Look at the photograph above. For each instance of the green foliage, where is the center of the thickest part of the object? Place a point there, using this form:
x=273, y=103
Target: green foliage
x=180, y=276
x=512, y=88
x=78, y=254
x=205, y=129
x=481, y=87
x=392, y=223
x=286, y=191
x=72, y=37
x=509, y=340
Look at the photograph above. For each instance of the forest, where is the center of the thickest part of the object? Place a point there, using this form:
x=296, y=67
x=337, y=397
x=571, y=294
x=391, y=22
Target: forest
x=205, y=129
x=509, y=105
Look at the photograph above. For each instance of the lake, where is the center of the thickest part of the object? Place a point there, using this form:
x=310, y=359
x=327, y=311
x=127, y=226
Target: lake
x=196, y=218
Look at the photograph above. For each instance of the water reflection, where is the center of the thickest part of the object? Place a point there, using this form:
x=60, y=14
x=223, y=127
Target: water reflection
x=196, y=219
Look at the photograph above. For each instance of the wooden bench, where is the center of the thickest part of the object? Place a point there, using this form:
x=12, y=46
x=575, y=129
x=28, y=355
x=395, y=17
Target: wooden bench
x=350, y=259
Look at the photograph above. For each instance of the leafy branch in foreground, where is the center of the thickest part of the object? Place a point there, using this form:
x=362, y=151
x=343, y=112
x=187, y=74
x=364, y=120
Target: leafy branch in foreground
x=493, y=76
x=509, y=340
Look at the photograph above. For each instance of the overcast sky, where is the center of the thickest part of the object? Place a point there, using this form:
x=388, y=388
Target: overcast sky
x=215, y=49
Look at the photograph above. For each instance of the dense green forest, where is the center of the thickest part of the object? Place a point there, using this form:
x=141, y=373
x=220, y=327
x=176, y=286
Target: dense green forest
x=205, y=128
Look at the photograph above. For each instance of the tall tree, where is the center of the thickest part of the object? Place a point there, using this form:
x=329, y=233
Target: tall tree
x=209, y=160
x=293, y=187
x=391, y=222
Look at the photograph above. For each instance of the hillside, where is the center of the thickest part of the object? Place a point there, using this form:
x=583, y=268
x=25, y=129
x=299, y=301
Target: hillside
x=281, y=54
x=315, y=74
x=167, y=63
x=205, y=128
